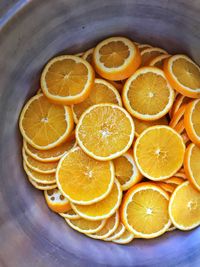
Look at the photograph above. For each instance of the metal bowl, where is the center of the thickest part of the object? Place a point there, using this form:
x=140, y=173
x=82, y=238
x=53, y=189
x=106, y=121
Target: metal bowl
x=31, y=32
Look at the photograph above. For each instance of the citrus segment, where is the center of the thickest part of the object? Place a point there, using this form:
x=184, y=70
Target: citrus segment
x=45, y=125
x=104, y=208
x=159, y=152
x=67, y=79
x=82, y=179
x=105, y=131
x=147, y=94
x=116, y=58
x=184, y=207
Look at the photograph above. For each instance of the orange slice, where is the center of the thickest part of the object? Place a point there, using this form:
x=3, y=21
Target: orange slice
x=116, y=58
x=179, y=115
x=88, y=55
x=171, y=228
x=144, y=210
x=70, y=214
x=143, y=47
x=178, y=103
x=56, y=201
x=39, y=91
x=105, y=131
x=185, y=137
x=118, y=85
x=102, y=92
x=108, y=229
x=192, y=165
x=169, y=188
x=159, y=152
x=184, y=207
x=104, y=208
x=147, y=94
x=141, y=125
x=180, y=127
x=67, y=79
x=42, y=186
x=85, y=226
x=45, y=125
x=82, y=179
x=43, y=178
x=180, y=174
x=183, y=75
x=38, y=166
x=117, y=233
x=125, y=238
x=158, y=61
x=79, y=54
x=174, y=180
x=192, y=121
x=53, y=154
x=126, y=171
x=150, y=53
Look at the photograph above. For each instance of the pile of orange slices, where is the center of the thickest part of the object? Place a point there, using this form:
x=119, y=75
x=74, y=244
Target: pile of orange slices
x=113, y=140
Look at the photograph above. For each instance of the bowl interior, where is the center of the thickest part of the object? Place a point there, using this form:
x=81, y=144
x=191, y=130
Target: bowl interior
x=31, y=32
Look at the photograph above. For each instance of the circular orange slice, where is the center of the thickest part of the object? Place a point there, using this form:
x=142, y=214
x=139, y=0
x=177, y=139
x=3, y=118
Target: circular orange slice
x=126, y=171
x=147, y=94
x=104, y=208
x=165, y=152
x=169, y=188
x=192, y=121
x=88, y=55
x=53, y=154
x=56, y=201
x=70, y=214
x=45, y=125
x=42, y=186
x=158, y=61
x=144, y=210
x=143, y=47
x=178, y=103
x=84, y=180
x=192, y=165
x=105, y=131
x=67, y=79
x=108, y=229
x=117, y=233
x=141, y=125
x=102, y=92
x=179, y=115
x=116, y=58
x=174, y=180
x=43, y=178
x=183, y=75
x=150, y=53
x=125, y=238
x=184, y=207
x=85, y=226
x=38, y=166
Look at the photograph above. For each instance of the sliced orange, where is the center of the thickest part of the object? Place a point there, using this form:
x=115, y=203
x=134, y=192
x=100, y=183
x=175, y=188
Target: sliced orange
x=180, y=127
x=192, y=165
x=185, y=137
x=117, y=233
x=150, y=53
x=53, y=154
x=158, y=61
x=45, y=125
x=67, y=79
x=116, y=58
x=105, y=131
x=88, y=55
x=174, y=180
x=56, y=201
x=171, y=228
x=178, y=103
x=180, y=174
x=42, y=186
x=125, y=238
x=184, y=207
x=82, y=179
x=70, y=214
x=159, y=152
x=79, y=54
x=102, y=92
x=169, y=188
x=118, y=85
x=147, y=94
x=85, y=226
x=183, y=75
x=43, y=178
x=179, y=115
x=144, y=210
x=38, y=166
x=104, y=208
x=126, y=171
x=108, y=229
x=39, y=91
x=141, y=125
x=143, y=47
x=192, y=121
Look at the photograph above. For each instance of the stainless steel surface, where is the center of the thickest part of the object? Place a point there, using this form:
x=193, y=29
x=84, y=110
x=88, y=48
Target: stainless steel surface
x=31, y=32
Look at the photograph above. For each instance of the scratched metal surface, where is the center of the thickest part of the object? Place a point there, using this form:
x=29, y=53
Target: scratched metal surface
x=31, y=32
